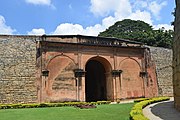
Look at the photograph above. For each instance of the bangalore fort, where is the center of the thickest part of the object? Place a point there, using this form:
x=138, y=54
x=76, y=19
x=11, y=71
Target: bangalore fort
x=53, y=68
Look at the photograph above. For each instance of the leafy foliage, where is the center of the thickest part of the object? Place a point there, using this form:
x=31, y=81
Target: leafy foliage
x=140, y=99
x=141, y=32
x=42, y=105
x=137, y=112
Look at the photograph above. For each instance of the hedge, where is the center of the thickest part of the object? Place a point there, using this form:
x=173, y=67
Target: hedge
x=137, y=113
x=141, y=99
x=41, y=105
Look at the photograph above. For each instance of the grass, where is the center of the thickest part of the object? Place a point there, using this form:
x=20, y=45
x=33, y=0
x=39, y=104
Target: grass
x=102, y=112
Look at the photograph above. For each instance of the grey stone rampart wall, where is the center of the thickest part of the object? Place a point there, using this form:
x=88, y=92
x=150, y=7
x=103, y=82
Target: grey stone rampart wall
x=163, y=61
x=17, y=69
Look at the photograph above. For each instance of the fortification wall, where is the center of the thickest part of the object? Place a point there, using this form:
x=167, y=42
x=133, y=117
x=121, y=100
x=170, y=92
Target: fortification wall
x=163, y=60
x=176, y=57
x=17, y=69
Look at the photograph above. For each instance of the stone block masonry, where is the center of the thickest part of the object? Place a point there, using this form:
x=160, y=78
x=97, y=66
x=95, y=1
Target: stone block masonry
x=23, y=58
x=18, y=69
x=163, y=60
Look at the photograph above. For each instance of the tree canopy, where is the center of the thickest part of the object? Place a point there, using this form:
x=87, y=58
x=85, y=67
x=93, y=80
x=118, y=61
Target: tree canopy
x=141, y=32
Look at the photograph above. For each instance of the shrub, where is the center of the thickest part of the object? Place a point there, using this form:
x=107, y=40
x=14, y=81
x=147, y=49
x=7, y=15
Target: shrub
x=137, y=113
x=41, y=105
x=101, y=102
x=141, y=99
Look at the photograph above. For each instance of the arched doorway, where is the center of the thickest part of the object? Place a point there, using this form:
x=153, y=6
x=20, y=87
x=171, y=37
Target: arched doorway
x=96, y=80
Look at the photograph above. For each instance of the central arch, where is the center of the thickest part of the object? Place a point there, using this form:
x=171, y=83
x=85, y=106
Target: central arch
x=96, y=79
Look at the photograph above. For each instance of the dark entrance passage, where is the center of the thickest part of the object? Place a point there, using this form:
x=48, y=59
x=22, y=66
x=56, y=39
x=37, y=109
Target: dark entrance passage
x=95, y=81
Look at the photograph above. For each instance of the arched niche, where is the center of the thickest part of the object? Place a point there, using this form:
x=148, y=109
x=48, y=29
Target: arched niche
x=61, y=81
x=132, y=83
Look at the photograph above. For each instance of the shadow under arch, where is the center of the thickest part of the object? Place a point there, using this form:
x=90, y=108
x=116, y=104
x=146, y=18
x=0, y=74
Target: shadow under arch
x=60, y=84
x=98, y=83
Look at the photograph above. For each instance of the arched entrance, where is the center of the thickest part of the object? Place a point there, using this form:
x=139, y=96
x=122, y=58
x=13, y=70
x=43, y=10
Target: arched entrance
x=96, y=79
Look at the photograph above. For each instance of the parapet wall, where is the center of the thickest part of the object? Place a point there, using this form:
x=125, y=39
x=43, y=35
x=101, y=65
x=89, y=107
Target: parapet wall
x=163, y=60
x=17, y=69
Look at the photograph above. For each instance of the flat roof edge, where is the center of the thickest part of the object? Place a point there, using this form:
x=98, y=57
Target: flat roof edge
x=78, y=36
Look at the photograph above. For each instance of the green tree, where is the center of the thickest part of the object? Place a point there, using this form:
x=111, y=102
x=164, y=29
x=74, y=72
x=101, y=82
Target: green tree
x=141, y=32
x=164, y=38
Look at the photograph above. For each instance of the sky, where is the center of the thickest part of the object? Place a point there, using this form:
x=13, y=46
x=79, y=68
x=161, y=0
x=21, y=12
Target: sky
x=85, y=17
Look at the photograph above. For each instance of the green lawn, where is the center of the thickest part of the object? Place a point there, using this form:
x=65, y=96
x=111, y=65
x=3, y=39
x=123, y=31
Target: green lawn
x=102, y=112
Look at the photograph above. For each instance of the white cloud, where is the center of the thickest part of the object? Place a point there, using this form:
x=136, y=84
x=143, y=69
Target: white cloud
x=101, y=8
x=41, y=2
x=113, y=11
x=39, y=31
x=70, y=6
x=108, y=21
x=4, y=29
x=141, y=15
x=68, y=28
x=104, y=7
x=165, y=26
x=138, y=4
x=155, y=8
x=74, y=29
x=122, y=9
x=94, y=30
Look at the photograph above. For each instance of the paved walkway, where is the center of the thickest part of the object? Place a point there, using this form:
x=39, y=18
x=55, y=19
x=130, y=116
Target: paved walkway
x=162, y=111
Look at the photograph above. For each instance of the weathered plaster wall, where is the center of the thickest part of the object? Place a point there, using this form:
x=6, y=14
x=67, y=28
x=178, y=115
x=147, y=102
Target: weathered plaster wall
x=163, y=61
x=132, y=84
x=60, y=59
x=17, y=69
x=176, y=57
